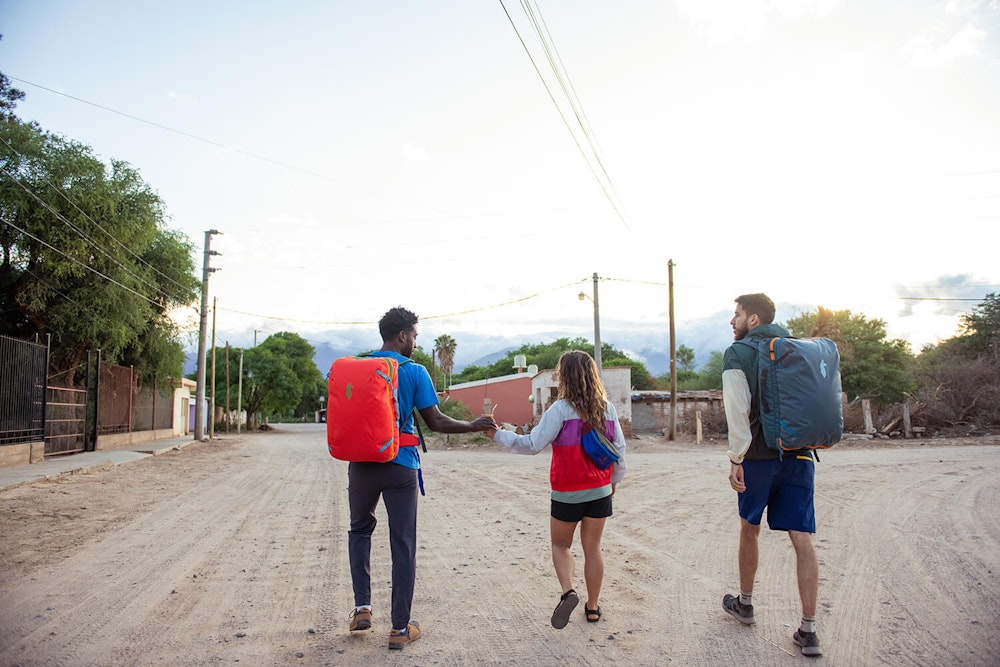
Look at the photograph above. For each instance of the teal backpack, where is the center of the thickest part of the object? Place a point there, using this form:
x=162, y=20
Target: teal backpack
x=800, y=392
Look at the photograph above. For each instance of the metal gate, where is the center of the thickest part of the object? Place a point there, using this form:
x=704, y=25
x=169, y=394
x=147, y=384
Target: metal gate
x=71, y=414
x=66, y=426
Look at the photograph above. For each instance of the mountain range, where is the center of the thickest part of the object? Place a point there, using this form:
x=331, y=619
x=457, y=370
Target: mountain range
x=650, y=346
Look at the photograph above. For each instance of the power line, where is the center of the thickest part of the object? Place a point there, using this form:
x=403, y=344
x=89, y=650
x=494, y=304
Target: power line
x=601, y=183
x=422, y=317
x=563, y=78
x=218, y=144
x=504, y=304
x=932, y=298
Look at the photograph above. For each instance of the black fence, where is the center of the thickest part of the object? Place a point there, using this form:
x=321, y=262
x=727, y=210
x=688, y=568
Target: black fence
x=114, y=405
x=107, y=400
x=153, y=407
x=23, y=366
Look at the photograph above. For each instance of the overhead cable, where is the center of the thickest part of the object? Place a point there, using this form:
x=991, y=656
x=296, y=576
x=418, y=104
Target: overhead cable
x=423, y=317
x=606, y=187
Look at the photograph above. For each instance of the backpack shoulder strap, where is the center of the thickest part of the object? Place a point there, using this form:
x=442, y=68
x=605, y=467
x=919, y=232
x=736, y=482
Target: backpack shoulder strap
x=752, y=342
x=420, y=433
x=416, y=415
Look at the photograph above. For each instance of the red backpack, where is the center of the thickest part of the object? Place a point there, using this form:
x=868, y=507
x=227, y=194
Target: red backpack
x=362, y=416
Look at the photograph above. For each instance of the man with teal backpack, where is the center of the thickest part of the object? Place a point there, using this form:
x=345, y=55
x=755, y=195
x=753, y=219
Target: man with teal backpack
x=764, y=476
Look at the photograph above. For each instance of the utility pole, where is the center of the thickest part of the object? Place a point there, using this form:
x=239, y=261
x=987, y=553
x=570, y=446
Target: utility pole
x=597, y=330
x=229, y=414
x=199, y=407
x=211, y=418
x=673, y=355
x=239, y=395
x=597, y=325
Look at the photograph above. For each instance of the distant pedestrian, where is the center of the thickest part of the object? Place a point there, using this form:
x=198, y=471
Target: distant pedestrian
x=581, y=492
x=396, y=482
x=764, y=479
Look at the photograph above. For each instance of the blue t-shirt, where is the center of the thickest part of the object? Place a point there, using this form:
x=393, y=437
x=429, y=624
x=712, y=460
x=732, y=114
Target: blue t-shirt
x=416, y=390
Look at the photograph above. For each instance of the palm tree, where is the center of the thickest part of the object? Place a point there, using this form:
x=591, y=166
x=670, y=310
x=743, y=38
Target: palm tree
x=444, y=347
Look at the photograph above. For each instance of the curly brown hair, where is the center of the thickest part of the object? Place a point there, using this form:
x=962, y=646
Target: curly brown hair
x=580, y=385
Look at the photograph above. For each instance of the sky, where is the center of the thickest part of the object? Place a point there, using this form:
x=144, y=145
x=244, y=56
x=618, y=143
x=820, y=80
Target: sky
x=357, y=156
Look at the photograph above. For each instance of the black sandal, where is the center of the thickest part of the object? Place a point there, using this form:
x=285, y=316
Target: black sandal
x=567, y=603
x=593, y=615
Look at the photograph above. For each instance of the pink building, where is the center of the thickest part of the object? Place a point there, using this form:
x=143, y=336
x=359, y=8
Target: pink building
x=511, y=394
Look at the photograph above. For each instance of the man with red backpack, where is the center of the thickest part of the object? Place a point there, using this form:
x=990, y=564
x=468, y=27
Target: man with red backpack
x=397, y=483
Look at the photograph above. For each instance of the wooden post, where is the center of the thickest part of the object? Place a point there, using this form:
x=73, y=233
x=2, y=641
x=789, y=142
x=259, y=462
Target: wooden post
x=672, y=435
x=229, y=414
x=697, y=427
x=907, y=428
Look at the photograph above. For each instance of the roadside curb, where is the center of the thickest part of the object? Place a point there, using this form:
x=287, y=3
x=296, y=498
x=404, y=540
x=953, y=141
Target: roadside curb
x=170, y=448
x=87, y=462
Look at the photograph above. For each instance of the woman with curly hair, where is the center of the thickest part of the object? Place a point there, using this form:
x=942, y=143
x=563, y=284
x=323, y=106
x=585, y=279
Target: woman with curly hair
x=581, y=491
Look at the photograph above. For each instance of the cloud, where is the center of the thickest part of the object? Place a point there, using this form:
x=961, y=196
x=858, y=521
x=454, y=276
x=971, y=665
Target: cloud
x=926, y=52
x=937, y=297
x=190, y=100
x=413, y=153
x=721, y=22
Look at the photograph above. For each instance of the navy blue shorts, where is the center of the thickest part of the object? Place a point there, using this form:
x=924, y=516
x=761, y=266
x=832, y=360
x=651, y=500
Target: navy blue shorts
x=785, y=487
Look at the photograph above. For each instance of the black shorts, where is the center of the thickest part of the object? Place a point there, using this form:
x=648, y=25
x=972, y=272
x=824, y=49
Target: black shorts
x=574, y=512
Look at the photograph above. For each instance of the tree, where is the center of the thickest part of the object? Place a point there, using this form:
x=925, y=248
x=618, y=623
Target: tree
x=684, y=356
x=870, y=365
x=980, y=329
x=86, y=256
x=9, y=96
x=710, y=376
x=960, y=377
x=641, y=377
x=546, y=355
x=444, y=348
x=281, y=376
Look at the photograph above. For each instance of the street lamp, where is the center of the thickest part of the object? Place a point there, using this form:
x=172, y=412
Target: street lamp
x=597, y=324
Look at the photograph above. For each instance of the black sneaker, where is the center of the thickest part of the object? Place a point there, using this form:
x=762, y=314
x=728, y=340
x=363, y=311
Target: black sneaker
x=741, y=612
x=809, y=643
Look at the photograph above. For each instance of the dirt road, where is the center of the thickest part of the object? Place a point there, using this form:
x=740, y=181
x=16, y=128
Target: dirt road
x=235, y=551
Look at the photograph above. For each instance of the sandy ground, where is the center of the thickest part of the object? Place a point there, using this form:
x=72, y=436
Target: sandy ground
x=235, y=551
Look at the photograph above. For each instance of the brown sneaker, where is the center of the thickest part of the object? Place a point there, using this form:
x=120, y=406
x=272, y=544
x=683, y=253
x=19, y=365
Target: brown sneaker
x=398, y=640
x=361, y=619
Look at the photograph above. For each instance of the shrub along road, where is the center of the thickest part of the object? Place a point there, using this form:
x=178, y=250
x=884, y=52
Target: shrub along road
x=235, y=550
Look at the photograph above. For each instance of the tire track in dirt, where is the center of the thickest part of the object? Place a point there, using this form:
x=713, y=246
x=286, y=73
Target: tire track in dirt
x=221, y=554
x=263, y=572
x=904, y=528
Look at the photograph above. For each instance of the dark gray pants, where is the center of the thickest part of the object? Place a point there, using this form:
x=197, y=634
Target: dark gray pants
x=397, y=487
